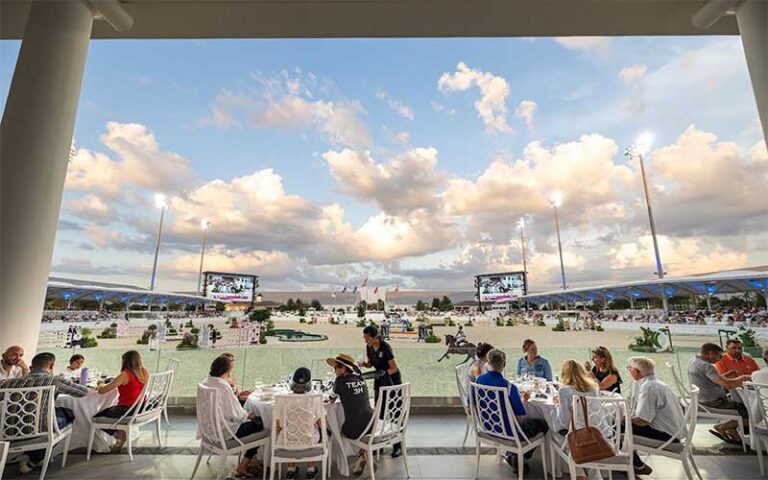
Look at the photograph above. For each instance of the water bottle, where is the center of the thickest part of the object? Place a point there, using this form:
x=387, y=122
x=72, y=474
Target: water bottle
x=84, y=376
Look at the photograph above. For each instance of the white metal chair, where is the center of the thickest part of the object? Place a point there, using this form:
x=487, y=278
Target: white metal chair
x=461, y=378
x=27, y=422
x=217, y=437
x=559, y=445
x=173, y=365
x=707, y=412
x=682, y=451
x=4, y=446
x=295, y=442
x=496, y=425
x=388, y=425
x=613, y=413
x=147, y=408
x=756, y=400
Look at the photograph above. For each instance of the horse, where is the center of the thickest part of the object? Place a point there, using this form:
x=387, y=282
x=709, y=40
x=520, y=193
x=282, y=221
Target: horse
x=468, y=349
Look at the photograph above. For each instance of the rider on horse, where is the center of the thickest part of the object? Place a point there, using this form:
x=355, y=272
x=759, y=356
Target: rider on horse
x=461, y=337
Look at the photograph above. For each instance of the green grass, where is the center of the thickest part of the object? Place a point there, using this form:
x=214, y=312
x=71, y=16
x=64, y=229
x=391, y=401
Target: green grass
x=419, y=366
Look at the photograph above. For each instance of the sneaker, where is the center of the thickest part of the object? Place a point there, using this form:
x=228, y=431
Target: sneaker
x=644, y=470
x=396, y=452
x=312, y=473
x=26, y=466
x=292, y=473
x=358, y=466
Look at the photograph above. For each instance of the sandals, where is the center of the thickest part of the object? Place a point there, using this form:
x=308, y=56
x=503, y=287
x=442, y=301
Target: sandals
x=725, y=438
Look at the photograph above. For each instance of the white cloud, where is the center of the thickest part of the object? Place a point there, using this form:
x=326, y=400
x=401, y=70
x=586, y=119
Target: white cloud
x=398, y=106
x=287, y=102
x=525, y=110
x=679, y=256
x=632, y=73
x=491, y=107
x=585, y=44
x=141, y=163
x=92, y=208
x=404, y=183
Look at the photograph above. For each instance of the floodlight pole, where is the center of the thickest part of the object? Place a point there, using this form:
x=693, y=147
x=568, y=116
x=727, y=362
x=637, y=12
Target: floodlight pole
x=559, y=247
x=157, y=248
x=202, y=256
x=522, y=242
x=659, y=267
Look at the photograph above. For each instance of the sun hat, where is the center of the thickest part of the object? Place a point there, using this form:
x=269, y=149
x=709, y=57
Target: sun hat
x=344, y=359
x=301, y=381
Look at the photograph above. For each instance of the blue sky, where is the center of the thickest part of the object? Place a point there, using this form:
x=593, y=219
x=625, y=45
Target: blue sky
x=409, y=161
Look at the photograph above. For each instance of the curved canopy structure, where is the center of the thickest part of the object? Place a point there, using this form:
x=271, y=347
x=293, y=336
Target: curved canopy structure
x=388, y=18
x=727, y=282
x=70, y=290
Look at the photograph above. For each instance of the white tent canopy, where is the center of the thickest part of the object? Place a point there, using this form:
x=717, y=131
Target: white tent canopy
x=71, y=290
x=727, y=282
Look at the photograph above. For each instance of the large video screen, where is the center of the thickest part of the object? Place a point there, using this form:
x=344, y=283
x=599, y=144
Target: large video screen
x=230, y=286
x=501, y=287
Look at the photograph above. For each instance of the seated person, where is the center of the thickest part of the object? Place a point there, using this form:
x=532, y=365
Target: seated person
x=713, y=387
x=240, y=422
x=461, y=337
x=761, y=376
x=574, y=381
x=532, y=363
x=531, y=427
x=242, y=396
x=480, y=365
x=352, y=390
x=12, y=365
x=604, y=371
x=129, y=384
x=658, y=414
x=735, y=362
x=301, y=383
x=72, y=370
x=41, y=375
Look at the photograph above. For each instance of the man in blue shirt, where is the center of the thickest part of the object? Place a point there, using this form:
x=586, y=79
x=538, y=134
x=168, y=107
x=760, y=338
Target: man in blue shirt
x=531, y=427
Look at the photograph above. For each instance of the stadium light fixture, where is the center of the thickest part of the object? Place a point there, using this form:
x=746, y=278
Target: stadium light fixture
x=556, y=200
x=163, y=203
x=521, y=227
x=641, y=148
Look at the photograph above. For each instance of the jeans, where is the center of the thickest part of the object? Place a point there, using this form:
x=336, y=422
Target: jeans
x=647, y=432
x=62, y=420
x=250, y=427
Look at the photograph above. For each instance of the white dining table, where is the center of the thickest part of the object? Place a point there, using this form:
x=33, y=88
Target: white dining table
x=264, y=405
x=84, y=408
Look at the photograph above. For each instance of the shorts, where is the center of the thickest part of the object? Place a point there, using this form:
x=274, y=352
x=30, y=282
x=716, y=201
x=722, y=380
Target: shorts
x=728, y=404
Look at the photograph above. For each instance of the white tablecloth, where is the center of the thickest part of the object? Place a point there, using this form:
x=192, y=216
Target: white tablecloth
x=84, y=408
x=334, y=418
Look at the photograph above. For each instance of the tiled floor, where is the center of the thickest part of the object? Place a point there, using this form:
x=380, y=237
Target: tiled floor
x=433, y=444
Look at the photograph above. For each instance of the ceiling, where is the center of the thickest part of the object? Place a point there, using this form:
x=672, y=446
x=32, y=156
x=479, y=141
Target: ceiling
x=391, y=18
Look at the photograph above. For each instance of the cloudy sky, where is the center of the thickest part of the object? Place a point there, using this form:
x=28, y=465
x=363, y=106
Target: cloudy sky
x=322, y=162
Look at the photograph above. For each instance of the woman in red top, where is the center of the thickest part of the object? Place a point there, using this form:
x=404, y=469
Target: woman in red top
x=129, y=385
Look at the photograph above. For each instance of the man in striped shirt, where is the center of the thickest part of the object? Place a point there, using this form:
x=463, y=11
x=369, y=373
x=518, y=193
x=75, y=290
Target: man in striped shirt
x=41, y=375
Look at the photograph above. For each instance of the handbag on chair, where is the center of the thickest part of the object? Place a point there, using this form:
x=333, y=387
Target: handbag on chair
x=587, y=444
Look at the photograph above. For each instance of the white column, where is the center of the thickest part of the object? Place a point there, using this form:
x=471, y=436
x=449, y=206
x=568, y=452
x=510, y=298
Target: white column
x=752, y=17
x=35, y=139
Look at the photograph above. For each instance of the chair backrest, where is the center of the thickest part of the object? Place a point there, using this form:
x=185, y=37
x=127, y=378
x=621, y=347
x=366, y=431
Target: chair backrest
x=173, y=364
x=298, y=415
x=462, y=374
x=488, y=405
x=4, y=446
x=209, y=421
x=27, y=412
x=154, y=395
x=691, y=415
x=392, y=410
x=757, y=402
x=608, y=414
x=682, y=389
